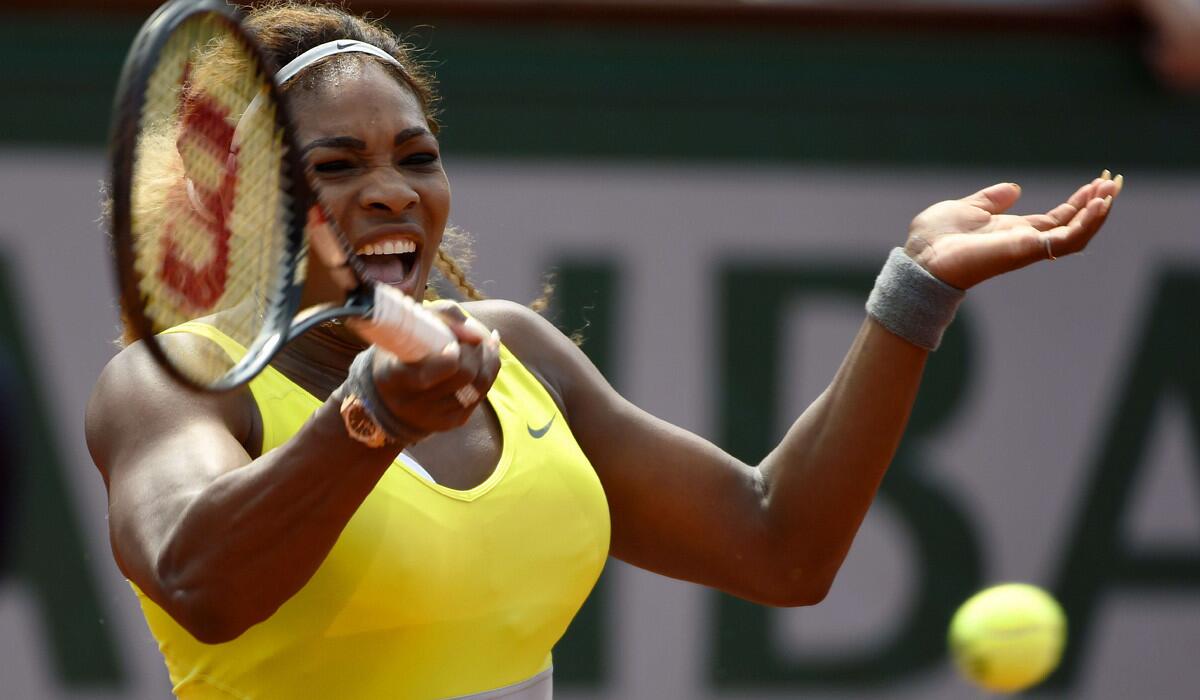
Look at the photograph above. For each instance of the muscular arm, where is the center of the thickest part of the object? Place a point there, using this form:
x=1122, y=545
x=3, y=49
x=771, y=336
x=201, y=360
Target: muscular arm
x=775, y=532
x=220, y=540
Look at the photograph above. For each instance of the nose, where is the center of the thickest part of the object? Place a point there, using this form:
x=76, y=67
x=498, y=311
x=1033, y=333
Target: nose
x=386, y=189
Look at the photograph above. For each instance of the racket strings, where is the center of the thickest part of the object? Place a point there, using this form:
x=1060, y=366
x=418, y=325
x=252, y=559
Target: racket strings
x=210, y=210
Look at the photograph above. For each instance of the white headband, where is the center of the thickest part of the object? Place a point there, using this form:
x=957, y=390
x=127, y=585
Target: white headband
x=331, y=48
x=308, y=58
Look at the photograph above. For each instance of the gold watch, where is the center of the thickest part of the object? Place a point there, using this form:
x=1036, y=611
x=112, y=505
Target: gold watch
x=361, y=424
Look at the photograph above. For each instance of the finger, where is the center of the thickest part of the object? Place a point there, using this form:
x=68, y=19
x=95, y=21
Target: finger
x=1043, y=222
x=463, y=388
x=1099, y=187
x=489, y=368
x=1062, y=214
x=448, y=413
x=473, y=331
x=1097, y=221
x=467, y=329
x=1111, y=187
x=995, y=199
x=1031, y=245
x=455, y=406
x=394, y=376
x=1075, y=236
x=470, y=363
x=446, y=405
x=468, y=395
x=1083, y=195
x=449, y=406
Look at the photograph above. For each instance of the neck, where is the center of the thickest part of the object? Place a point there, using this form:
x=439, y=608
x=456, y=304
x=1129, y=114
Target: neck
x=319, y=360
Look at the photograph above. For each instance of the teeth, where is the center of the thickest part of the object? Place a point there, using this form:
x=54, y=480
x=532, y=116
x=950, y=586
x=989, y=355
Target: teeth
x=388, y=248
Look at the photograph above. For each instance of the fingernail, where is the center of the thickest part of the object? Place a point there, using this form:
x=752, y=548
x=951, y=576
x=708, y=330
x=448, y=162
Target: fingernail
x=478, y=331
x=1107, y=202
x=1106, y=175
x=495, y=339
x=451, y=350
x=1119, y=180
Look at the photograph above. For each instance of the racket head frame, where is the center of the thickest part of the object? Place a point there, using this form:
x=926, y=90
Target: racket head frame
x=135, y=75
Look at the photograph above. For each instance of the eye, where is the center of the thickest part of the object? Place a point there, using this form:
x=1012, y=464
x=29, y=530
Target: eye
x=332, y=166
x=420, y=159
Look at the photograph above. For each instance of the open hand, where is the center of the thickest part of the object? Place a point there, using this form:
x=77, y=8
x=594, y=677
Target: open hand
x=966, y=241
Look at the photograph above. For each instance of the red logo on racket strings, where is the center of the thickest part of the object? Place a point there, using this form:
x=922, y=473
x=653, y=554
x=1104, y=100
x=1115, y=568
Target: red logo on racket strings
x=205, y=133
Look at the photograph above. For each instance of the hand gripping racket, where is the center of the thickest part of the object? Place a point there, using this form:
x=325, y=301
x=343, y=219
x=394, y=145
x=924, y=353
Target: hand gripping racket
x=210, y=201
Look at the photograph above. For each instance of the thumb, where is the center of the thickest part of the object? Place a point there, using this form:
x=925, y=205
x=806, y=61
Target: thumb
x=465, y=328
x=995, y=199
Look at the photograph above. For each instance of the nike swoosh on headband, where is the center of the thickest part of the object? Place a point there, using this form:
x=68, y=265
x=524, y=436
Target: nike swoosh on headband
x=330, y=48
x=539, y=432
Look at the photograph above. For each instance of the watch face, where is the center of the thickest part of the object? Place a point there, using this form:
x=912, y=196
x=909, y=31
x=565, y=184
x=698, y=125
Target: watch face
x=360, y=423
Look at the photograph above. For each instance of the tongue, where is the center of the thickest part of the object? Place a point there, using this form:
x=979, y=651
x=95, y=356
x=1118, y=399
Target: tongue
x=386, y=269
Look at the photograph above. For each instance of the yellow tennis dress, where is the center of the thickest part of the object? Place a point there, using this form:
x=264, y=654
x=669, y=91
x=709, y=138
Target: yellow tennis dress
x=429, y=592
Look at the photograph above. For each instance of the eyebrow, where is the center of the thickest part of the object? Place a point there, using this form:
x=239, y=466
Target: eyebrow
x=335, y=142
x=410, y=133
x=358, y=144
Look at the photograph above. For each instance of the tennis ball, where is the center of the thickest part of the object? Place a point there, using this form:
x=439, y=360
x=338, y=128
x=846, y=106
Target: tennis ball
x=1008, y=637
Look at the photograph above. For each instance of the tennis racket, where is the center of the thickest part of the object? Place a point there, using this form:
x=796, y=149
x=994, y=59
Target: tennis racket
x=210, y=206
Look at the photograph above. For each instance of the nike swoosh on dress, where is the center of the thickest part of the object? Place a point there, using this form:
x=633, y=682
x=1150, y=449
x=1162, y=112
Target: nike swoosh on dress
x=536, y=433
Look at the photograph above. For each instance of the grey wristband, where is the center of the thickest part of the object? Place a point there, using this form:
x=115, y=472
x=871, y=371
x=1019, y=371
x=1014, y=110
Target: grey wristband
x=912, y=303
x=360, y=383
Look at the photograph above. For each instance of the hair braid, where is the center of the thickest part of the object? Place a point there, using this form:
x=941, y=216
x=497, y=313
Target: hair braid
x=457, y=276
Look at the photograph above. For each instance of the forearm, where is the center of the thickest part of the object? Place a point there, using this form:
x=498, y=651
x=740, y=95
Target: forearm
x=251, y=538
x=821, y=479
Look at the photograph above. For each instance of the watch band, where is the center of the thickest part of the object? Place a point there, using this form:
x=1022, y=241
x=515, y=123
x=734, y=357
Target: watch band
x=364, y=413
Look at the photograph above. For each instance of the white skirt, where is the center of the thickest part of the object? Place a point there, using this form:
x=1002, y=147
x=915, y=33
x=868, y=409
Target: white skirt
x=539, y=687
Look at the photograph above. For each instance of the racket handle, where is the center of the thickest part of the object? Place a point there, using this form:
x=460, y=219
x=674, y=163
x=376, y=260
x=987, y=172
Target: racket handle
x=403, y=327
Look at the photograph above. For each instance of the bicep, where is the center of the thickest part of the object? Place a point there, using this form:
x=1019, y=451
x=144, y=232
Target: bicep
x=681, y=506
x=157, y=447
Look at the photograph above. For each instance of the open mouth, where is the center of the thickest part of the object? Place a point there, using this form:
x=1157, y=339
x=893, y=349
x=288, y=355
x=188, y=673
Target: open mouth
x=389, y=262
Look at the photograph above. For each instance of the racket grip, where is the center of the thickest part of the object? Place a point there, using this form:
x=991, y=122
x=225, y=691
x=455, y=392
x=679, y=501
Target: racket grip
x=403, y=327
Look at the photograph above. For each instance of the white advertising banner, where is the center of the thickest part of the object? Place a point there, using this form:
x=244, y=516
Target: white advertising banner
x=1058, y=440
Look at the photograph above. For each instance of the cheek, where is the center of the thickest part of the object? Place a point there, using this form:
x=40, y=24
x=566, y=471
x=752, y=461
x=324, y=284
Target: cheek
x=437, y=203
x=440, y=197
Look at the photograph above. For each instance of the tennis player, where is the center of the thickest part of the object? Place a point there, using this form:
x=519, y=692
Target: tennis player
x=351, y=526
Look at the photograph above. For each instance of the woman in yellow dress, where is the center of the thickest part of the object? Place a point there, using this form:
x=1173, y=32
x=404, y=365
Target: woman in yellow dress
x=288, y=540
